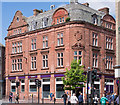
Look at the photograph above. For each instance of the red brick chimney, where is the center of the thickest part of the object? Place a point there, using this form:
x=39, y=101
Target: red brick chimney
x=36, y=11
x=86, y=4
x=105, y=10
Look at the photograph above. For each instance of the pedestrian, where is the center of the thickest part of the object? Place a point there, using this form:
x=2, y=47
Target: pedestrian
x=80, y=99
x=95, y=100
x=69, y=99
x=109, y=97
x=64, y=96
x=51, y=96
x=114, y=96
x=17, y=98
x=54, y=100
x=117, y=100
x=10, y=97
x=73, y=100
x=103, y=100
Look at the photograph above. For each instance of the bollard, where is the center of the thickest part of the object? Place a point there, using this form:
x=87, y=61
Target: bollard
x=32, y=98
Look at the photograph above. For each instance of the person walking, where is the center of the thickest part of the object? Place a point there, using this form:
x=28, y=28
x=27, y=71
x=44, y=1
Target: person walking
x=80, y=99
x=73, y=99
x=69, y=99
x=64, y=96
x=51, y=96
x=17, y=98
x=95, y=100
x=117, y=100
x=10, y=97
x=109, y=97
x=103, y=100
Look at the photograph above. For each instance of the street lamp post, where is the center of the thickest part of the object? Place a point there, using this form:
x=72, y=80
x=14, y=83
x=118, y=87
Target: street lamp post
x=87, y=84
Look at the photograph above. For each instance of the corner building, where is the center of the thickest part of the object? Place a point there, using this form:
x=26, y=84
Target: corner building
x=42, y=46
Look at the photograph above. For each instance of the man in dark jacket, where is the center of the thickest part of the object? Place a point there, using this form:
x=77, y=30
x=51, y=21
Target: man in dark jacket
x=80, y=99
x=64, y=96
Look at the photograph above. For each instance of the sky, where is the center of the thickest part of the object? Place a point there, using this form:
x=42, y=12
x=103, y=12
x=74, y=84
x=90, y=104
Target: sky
x=8, y=9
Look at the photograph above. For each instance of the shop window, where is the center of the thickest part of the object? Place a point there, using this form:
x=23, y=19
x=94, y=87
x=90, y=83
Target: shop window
x=59, y=88
x=32, y=86
x=22, y=85
x=13, y=86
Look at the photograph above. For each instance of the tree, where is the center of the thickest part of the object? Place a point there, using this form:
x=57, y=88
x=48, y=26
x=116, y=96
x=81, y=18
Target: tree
x=74, y=78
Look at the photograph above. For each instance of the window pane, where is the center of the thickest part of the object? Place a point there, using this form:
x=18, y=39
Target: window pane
x=75, y=58
x=58, y=79
x=58, y=55
x=75, y=52
x=43, y=63
x=46, y=43
x=13, y=88
x=22, y=88
x=33, y=88
x=59, y=90
x=43, y=44
x=46, y=91
x=61, y=61
x=46, y=63
x=58, y=62
x=61, y=41
x=80, y=53
x=61, y=54
x=46, y=80
x=58, y=42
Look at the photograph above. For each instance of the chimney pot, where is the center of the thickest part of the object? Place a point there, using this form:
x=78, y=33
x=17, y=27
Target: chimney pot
x=105, y=10
x=36, y=12
x=86, y=4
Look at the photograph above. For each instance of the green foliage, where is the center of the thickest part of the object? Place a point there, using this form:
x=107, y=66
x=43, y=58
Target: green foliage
x=67, y=19
x=74, y=77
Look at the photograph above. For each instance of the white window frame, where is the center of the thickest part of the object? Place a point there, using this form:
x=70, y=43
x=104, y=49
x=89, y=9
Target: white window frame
x=60, y=58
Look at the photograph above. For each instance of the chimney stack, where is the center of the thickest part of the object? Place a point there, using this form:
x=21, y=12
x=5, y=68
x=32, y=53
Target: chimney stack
x=86, y=4
x=105, y=10
x=36, y=12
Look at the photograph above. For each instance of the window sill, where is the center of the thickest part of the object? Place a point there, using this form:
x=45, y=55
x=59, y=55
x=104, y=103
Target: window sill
x=59, y=46
x=33, y=70
x=110, y=51
x=33, y=50
x=109, y=69
x=16, y=71
x=45, y=48
x=17, y=54
x=59, y=67
x=45, y=69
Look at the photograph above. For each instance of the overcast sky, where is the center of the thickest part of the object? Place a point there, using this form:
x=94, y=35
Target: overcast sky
x=9, y=7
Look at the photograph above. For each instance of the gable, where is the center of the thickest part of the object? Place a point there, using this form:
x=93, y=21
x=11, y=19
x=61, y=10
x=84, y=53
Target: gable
x=18, y=20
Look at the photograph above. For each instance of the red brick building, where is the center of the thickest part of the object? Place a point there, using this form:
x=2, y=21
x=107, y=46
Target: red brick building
x=43, y=46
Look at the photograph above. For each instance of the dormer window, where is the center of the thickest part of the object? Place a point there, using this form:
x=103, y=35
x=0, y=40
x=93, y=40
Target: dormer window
x=45, y=21
x=94, y=18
